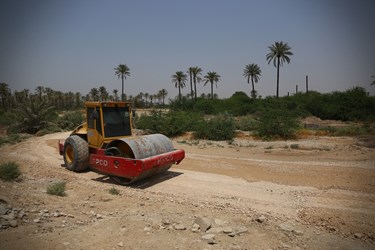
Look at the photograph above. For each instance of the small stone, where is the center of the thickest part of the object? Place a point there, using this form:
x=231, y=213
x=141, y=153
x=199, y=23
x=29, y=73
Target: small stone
x=219, y=222
x=99, y=216
x=286, y=227
x=358, y=235
x=227, y=230
x=5, y=223
x=21, y=214
x=36, y=220
x=13, y=223
x=180, y=227
x=121, y=244
x=147, y=228
x=210, y=238
x=261, y=219
x=298, y=232
x=241, y=230
x=203, y=222
x=195, y=228
x=166, y=222
x=215, y=230
x=10, y=216
x=3, y=210
x=232, y=234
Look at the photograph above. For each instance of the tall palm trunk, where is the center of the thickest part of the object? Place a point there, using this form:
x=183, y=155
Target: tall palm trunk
x=252, y=92
x=212, y=90
x=191, y=84
x=195, y=88
x=179, y=93
x=122, y=88
x=277, y=84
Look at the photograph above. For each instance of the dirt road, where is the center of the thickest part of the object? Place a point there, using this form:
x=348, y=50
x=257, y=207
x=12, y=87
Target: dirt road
x=316, y=193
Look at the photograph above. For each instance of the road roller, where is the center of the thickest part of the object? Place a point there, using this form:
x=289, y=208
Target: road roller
x=105, y=143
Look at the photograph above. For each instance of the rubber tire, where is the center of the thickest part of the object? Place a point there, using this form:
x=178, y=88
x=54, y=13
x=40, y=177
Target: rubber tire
x=76, y=154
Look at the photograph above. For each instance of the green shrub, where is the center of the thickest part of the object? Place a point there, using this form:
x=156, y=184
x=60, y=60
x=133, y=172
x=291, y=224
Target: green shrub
x=346, y=131
x=294, y=146
x=57, y=188
x=277, y=123
x=113, y=191
x=70, y=120
x=170, y=124
x=32, y=117
x=9, y=171
x=13, y=138
x=219, y=128
x=7, y=118
x=246, y=123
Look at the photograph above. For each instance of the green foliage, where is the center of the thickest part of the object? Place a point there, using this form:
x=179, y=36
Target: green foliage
x=246, y=123
x=7, y=117
x=219, y=128
x=277, y=123
x=9, y=171
x=70, y=120
x=352, y=105
x=32, y=117
x=170, y=124
x=57, y=188
x=113, y=191
x=347, y=131
x=13, y=138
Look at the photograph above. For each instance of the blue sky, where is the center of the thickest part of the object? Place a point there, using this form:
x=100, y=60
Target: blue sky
x=75, y=45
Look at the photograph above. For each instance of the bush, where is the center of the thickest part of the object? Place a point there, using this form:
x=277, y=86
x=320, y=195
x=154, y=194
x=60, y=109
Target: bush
x=219, y=128
x=32, y=117
x=13, y=138
x=113, y=191
x=347, y=131
x=9, y=171
x=57, y=188
x=246, y=123
x=277, y=123
x=170, y=124
x=70, y=120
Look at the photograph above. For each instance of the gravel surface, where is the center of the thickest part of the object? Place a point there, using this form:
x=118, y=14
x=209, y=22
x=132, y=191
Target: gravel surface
x=313, y=193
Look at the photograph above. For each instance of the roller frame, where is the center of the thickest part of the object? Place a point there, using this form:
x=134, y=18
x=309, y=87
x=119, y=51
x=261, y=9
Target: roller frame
x=132, y=169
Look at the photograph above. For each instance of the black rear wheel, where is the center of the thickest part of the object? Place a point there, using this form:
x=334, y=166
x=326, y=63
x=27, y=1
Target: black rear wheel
x=76, y=153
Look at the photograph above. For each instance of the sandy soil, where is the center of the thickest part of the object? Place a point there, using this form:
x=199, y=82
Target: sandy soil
x=315, y=193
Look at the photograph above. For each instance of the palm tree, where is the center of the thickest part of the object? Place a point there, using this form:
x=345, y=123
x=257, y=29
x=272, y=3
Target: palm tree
x=33, y=116
x=122, y=71
x=163, y=93
x=211, y=77
x=279, y=54
x=94, y=94
x=252, y=71
x=4, y=93
x=197, y=72
x=146, y=97
x=179, y=79
x=115, y=91
x=78, y=98
x=190, y=72
x=103, y=93
x=39, y=90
